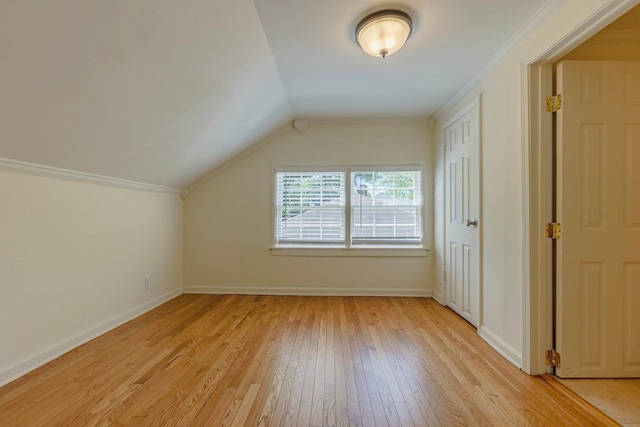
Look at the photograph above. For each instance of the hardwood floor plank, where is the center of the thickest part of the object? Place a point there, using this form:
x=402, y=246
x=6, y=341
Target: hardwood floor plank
x=377, y=407
x=329, y=397
x=268, y=415
x=222, y=412
x=341, y=380
x=317, y=400
x=247, y=403
x=294, y=394
x=306, y=402
x=246, y=360
x=290, y=389
x=386, y=342
x=273, y=378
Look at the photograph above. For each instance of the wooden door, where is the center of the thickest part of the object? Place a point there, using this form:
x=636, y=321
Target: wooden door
x=462, y=213
x=598, y=196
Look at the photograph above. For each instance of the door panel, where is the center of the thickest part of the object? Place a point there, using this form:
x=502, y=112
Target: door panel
x=453, y=277
x=462, y=204
x=592, y=302
x=632, y=176
x=632, y=317
x=467, y=256
x=598, y=188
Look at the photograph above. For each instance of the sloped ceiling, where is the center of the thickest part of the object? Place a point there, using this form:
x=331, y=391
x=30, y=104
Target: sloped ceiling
x=164, y=91
x=326, y=75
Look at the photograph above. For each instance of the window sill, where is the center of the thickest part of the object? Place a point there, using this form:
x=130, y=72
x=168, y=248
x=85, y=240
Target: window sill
x=378, y=251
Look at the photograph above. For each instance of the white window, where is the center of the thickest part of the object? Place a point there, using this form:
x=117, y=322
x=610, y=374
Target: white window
x=310, y=207
x=386, y=207
x=349, y=207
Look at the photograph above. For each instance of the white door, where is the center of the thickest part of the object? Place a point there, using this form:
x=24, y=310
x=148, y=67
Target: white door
x=598, y=184
x=462, y=220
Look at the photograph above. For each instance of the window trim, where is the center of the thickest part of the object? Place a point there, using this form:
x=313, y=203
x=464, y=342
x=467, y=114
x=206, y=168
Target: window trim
x=359, y=251
x=347, y=249
x=337, y=240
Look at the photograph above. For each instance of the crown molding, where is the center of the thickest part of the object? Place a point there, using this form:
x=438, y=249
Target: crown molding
x=16, y=166
x=542, y=13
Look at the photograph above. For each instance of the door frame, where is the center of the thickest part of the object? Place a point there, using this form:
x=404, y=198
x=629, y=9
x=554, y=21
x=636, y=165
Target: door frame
x=537, y=84
x=476, y=103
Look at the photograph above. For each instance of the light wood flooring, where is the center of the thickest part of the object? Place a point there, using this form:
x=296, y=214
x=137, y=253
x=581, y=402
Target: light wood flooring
x=618, y=398
x=299, y=361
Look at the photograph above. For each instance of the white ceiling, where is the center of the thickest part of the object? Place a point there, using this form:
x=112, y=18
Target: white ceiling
x=163, y=92
x=326, y=75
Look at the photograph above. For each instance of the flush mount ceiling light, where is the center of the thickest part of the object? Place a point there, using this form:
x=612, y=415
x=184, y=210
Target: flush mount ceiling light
x=383, y=33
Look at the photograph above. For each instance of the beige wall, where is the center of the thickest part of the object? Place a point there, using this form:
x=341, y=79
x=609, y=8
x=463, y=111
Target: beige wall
x=502, y=205
x=73, y=257
x=228, y=216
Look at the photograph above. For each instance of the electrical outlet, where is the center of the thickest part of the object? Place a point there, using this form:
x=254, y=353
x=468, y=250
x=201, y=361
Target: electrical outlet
x=147, y=283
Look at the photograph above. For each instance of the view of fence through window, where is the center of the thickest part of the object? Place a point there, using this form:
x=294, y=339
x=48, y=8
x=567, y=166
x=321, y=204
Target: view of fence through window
x=385, y=207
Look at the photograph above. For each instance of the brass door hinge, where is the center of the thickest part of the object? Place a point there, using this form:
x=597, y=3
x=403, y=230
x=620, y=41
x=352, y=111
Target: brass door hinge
x=554, y=230
x=554, y=103
x=552, y=358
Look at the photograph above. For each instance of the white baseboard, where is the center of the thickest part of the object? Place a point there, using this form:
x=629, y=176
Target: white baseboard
x=438, y=297
x=304, y=291
x=32, y=361
x=508, y=352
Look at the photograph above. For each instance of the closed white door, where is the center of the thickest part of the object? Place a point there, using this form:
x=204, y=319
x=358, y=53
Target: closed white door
x=598, y=184
x=462, y=213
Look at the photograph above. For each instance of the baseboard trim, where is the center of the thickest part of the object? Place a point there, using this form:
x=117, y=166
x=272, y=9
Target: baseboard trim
x=33, y=361
x=508, y=352
x=299, y=291
x=438, y=297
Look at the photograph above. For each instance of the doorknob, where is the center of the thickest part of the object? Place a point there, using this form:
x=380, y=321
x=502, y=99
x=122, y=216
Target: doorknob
x=472, y=222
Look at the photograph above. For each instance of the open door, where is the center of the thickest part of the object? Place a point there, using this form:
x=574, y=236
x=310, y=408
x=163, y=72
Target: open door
x=462, y=208
x=598, y=207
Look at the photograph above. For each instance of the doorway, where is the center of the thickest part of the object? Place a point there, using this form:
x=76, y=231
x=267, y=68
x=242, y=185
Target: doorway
x=539, y=75
x=538, y=193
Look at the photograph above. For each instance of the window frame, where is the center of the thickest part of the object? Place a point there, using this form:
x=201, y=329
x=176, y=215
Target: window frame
x=347, y=249
x=328, y=243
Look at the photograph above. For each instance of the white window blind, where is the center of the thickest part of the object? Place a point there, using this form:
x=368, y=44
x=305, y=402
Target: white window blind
x=386, y=207
x=310, y=207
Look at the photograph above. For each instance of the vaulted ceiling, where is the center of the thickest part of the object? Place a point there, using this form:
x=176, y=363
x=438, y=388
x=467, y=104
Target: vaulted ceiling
x=164, y=91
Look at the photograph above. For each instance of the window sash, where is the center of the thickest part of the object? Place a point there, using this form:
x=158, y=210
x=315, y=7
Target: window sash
x=310, y=207
x=386, y=207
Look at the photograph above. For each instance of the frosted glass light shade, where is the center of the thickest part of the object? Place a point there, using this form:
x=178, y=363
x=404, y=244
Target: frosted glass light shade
x=383, y=33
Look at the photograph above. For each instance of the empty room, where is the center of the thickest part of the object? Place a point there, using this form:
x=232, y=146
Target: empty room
x=320, y=213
